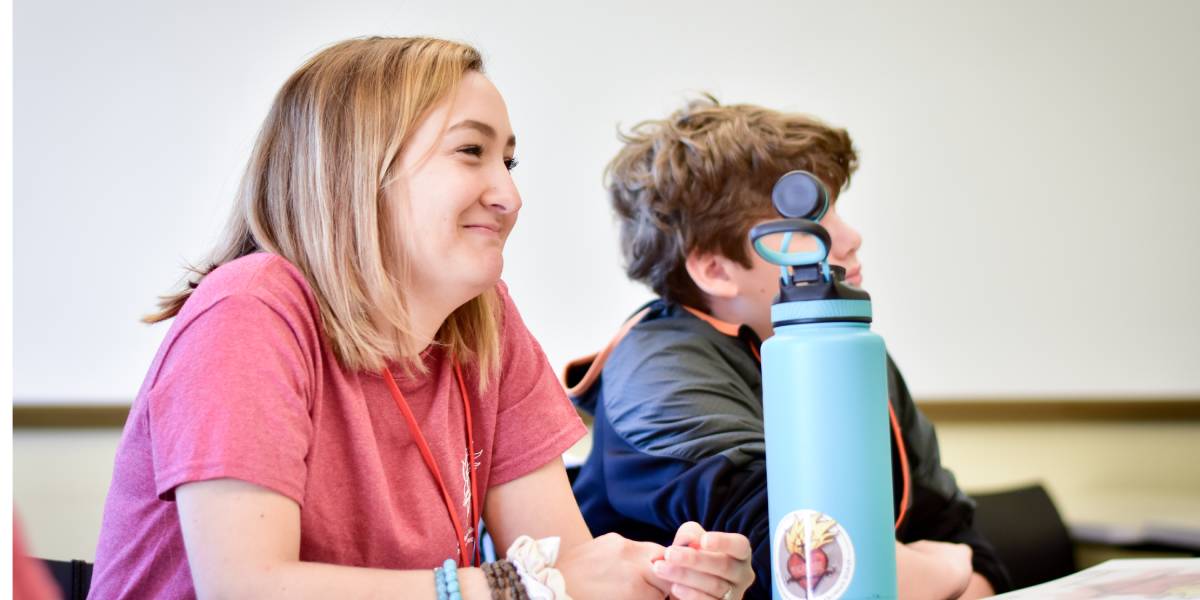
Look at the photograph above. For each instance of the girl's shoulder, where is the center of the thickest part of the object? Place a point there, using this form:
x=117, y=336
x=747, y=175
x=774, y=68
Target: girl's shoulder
x=240, y=313
x=266, y=277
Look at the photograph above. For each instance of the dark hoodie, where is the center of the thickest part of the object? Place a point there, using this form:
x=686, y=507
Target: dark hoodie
x=678, y=437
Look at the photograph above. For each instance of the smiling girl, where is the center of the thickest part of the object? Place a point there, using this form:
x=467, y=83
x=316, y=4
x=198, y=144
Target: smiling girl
x=347, y=390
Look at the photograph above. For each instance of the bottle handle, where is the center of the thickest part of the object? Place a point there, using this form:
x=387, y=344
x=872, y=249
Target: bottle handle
x=791, y=259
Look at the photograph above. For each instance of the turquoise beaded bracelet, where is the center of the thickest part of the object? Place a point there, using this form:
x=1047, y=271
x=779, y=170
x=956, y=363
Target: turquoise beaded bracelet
x=446, y=581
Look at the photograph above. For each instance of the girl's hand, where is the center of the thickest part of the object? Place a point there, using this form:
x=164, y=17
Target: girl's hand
x=611, y=566
x=702, y=565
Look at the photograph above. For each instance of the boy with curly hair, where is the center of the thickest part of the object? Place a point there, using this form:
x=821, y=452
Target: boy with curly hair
x=677, y=396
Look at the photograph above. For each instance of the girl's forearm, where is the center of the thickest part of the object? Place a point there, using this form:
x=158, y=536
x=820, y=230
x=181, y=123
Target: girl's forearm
x=304, y=580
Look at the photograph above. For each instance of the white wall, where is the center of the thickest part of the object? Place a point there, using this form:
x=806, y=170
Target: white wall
x=1028, y=190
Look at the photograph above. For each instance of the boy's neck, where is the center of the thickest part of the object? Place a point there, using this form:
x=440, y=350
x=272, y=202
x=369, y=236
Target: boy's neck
x=740, y=311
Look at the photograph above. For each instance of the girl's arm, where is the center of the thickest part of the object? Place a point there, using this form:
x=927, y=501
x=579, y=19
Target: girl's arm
x=243, y=541
x=541, y=504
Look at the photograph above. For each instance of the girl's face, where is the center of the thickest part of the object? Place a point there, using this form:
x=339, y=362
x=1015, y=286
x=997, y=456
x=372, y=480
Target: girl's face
x=453, y=195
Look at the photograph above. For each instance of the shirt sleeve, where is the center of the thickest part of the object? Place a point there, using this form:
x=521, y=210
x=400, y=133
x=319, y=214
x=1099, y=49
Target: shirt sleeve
x=231, y=400
x=938, y=510
x=684, y=442
x=535, y=422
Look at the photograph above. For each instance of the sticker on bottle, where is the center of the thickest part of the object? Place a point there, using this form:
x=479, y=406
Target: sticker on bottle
x=814, y=558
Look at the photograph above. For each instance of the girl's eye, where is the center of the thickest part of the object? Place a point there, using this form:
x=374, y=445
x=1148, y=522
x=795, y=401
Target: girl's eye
x=477, y=152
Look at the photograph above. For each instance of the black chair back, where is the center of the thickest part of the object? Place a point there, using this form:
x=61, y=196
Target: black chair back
x=1029, y=535
x=74, y=577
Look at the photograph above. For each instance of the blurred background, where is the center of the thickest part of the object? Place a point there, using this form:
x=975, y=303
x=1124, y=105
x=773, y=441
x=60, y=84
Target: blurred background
x=1027, y=195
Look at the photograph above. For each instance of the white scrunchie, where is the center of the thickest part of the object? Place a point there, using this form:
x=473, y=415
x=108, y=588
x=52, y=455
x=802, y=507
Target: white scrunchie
x=534, y=561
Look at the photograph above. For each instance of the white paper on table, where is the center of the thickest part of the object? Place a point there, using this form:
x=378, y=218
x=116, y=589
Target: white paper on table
x=1123, y=579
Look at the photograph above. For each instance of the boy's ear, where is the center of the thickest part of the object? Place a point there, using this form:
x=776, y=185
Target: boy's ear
x=713, y=274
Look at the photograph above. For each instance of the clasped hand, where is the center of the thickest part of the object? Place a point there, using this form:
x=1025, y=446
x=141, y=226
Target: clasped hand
x=699, y=565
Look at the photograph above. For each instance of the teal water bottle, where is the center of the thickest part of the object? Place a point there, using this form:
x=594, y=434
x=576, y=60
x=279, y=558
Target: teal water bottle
x=829, y=470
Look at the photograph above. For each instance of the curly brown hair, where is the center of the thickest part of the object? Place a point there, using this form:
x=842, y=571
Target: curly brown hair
x=701, y=178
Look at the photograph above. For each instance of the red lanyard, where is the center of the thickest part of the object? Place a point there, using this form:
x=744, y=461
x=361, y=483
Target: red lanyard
x=464, y=558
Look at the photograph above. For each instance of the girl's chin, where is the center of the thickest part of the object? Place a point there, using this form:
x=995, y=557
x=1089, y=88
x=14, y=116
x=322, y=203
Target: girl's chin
x=462, y=274
x=486, y=273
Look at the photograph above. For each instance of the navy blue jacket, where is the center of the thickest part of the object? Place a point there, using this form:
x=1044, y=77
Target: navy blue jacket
x=678, y=436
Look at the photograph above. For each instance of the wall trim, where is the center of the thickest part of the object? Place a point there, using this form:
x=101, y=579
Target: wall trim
x=70, y=416
x=940, y=410
x=1056, y=410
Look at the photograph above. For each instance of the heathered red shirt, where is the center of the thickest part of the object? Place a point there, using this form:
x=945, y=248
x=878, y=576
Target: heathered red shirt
x=246, y=386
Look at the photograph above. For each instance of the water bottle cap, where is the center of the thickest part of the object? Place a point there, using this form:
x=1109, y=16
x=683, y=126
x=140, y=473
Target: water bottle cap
x=800, y=195
x=813, y=299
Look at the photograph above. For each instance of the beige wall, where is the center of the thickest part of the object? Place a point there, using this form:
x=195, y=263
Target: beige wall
x=1074, y=457
x=60, y=478
x=1094, y=471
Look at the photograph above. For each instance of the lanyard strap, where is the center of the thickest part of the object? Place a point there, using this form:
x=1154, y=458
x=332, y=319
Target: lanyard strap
x=427, y=455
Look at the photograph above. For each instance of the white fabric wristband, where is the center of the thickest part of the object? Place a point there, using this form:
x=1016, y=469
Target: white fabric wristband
x=534, y=562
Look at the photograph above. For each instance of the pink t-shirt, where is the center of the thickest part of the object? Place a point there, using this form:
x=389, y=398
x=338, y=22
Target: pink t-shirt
x=246, y=386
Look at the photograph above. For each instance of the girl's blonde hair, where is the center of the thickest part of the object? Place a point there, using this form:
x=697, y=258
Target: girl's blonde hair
x=313, y=194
